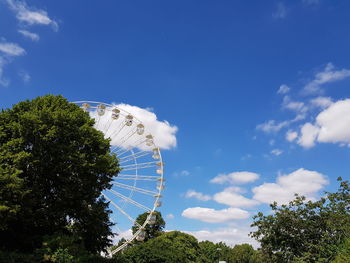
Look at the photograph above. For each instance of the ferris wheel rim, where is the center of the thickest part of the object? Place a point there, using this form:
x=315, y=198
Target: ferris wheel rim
x=160, y=176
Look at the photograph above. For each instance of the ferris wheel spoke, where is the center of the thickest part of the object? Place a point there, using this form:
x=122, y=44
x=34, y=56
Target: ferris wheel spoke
x=118, y=229
x=139, y=167
x=130, y=193
x=107, y=126
x=136, y=176
x=115, y=134
x=121, y=210
x=114, y=130
x=121, y=151
x=125, y=138
x=134, y=156
x=142, y=164
x=129, y=200
x=136, y=189
x=139, y=179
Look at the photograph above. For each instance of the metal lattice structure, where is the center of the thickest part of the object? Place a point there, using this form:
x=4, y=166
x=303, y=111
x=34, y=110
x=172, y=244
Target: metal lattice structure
x=137, y=188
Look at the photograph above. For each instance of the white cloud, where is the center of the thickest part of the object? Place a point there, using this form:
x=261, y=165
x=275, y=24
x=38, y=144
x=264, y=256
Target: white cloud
x=197, y=195
x=246, y=157
x=11, y=49
x=272, y=126
x=127, y=234
x=276, y=152
x=283, y=89
x=321, y=102
x=30, y=35
x=281, y=11
x=332, y=126
x=236, y=177
x=231, y=236
x=231, y=198
x=163, y=133
x=181, y=173
x=211, y=215
x=308, y=135
x=334, y=123
x=30, y=15
x=303, y=182
x=296, y=106
x=329, y=74
x=8, y=50
x=24, y=76
x=291, y=135
x=3, y=81
x=185, y=173
x=170, y=216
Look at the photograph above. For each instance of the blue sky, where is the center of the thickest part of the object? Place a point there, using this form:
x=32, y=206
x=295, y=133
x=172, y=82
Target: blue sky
x=258, y=91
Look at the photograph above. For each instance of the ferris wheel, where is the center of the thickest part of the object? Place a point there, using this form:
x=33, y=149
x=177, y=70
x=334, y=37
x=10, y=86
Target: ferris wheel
x=137, y=188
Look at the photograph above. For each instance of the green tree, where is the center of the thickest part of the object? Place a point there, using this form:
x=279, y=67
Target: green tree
x=170, y=247
x=53, y=167
x=208, y=252
x=151, y=230
x=305, y=231
x=343, y=253
x=244, y=253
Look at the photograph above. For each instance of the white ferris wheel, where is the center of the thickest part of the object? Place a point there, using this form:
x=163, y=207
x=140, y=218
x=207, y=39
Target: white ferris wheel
x=138, y=186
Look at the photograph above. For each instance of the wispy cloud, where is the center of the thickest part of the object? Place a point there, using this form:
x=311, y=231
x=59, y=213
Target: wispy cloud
x=8, y=51
x=283, y=89
x=24, y=76
x=311, y=2
x=170, y=216
x=281, y=11
x=236, y=177
x=197, y=195
x=181, y=173
x=296, y=106
x=276, y=152
x=321, y=102
x=3, y=81
x=325, y=119
x=272, y=126
x=30, y=15
x=27, y=16
x=328, y=75
x=30, y=35
x=211, y=215
x=11, y=49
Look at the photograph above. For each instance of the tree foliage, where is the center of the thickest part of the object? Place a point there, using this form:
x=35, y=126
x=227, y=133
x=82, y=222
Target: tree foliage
x=153, y=230
x=53, y=167
x=208, y=252
x=343, y=255
x=169, y=247
x=305, y=231
x=245, y=253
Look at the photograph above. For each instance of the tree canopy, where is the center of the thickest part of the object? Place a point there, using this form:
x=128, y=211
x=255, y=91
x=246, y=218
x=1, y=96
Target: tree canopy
x=53, y=166
x=169, y=247
x=305, y=231
x=151, y=230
